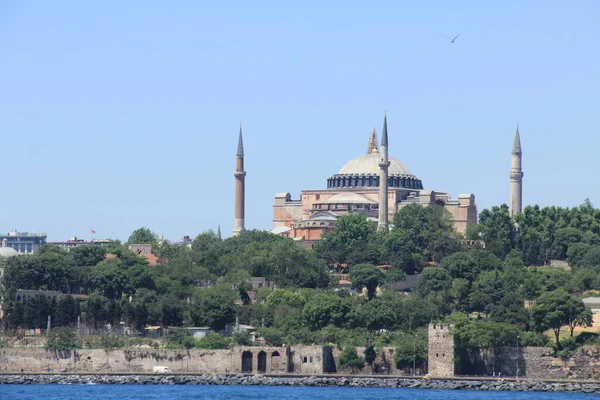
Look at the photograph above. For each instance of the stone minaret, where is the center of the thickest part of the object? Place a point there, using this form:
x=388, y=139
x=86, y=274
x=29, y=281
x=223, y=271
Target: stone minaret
x=516, y=177
x=240, y=176
x=382, y=223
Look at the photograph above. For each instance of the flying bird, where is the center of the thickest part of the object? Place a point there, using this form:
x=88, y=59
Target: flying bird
x=452, y=39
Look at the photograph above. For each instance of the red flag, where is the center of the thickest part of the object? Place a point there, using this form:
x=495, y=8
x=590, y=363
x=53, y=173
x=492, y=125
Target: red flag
x=93, y=231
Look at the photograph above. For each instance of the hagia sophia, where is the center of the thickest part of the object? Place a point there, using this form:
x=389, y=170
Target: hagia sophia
x=373, y=184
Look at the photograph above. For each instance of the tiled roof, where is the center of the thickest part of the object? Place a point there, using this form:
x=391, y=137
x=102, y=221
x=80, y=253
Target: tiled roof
x=152, y=259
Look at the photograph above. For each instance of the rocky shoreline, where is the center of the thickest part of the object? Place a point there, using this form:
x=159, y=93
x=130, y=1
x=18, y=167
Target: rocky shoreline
x=261, y=380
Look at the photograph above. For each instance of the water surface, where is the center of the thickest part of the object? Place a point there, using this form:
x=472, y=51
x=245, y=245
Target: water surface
x=170, y=392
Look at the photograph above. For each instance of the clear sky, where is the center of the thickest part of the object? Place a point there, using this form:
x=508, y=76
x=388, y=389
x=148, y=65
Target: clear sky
x=121, y=114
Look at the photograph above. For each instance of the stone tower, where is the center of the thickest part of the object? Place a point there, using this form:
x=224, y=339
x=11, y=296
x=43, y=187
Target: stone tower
x=240, y=176
x=516, y=177
x=440, y=358
x=383, y=179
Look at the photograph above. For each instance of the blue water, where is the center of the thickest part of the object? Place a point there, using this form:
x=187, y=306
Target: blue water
x=139, y=392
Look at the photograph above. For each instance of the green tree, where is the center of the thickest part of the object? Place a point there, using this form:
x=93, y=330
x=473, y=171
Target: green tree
x=101, y=310
x=110, y=279
x=110, y=341
x=240, y=281
x=241, y=338
x=411, y=350
x=430, y=229
x=142, y=236
x=350, y=359
x=213, y=341
x=576, y=253
x=402, y=253
x=375, y=315
x=496, y=229
x=510, y=310
x=283, y=296
x=207, y=251
x=35, y=312
x=171, y=310
x=324, y=309
x=367, y=276
x=62, y=338
x=352, y=241
x=218, y=306
x=370, y=356
x=272, y=336
x=557, y=308
x=180, y=338
x=87, y=255
x=67, y=311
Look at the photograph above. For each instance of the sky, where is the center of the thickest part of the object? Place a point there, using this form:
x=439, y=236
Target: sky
x=120, y=114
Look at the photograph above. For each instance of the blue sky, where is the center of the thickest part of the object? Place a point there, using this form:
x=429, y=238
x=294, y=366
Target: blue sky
x=116, y=115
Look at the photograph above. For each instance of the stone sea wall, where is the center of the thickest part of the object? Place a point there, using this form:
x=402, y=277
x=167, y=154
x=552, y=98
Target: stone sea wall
x=323, y=381
x=270, y=359
x=533, y=363
x=239, y=359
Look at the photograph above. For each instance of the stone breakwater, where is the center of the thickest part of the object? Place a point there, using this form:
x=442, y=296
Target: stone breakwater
x=261, y=380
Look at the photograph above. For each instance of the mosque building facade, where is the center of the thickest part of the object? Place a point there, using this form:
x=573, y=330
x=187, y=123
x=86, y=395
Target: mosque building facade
x=360, y=187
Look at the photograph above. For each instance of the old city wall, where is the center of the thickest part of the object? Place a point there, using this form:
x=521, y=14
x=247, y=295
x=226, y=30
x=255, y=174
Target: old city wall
x=525, y=362
x=540, y=363
x=534, y=362
x=118, y=361
x=296, y=359
x=384, y=362
x=270, y=359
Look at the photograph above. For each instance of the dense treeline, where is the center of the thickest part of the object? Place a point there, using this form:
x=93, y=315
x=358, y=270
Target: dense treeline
x=481, y=288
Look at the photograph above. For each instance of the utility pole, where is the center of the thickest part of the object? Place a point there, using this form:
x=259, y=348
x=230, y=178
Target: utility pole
x=414, y=355
x=518, y=357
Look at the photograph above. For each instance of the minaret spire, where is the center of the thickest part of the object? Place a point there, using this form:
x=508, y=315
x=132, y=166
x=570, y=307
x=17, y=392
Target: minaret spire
x=516, y=176
x=240, y=192
x=382, y=223
x=517, y=143
x=219, y=231
x=240, y=149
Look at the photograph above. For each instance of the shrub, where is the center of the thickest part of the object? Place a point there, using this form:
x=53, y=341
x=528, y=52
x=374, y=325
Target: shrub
x=62, y=338
x=213, y=341
x=180, y=339
x=350, y=359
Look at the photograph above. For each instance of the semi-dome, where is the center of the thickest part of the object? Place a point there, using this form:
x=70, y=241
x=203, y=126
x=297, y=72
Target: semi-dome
x=347, y=198
x=368, y=164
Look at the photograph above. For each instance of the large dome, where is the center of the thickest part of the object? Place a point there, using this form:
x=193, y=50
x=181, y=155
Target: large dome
x=368, y=164
x=8, y=252
x=363, y=172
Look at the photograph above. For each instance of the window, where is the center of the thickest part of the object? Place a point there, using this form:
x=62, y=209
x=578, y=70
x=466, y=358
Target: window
x=437, y=355
x=305, y=360
x=311, y=359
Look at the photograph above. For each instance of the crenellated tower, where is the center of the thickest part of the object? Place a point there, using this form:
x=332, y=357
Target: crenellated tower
x=384, y=164
x=240, y=176
x=516, y=177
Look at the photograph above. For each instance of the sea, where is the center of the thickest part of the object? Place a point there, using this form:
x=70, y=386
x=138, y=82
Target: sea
x=169, y=392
